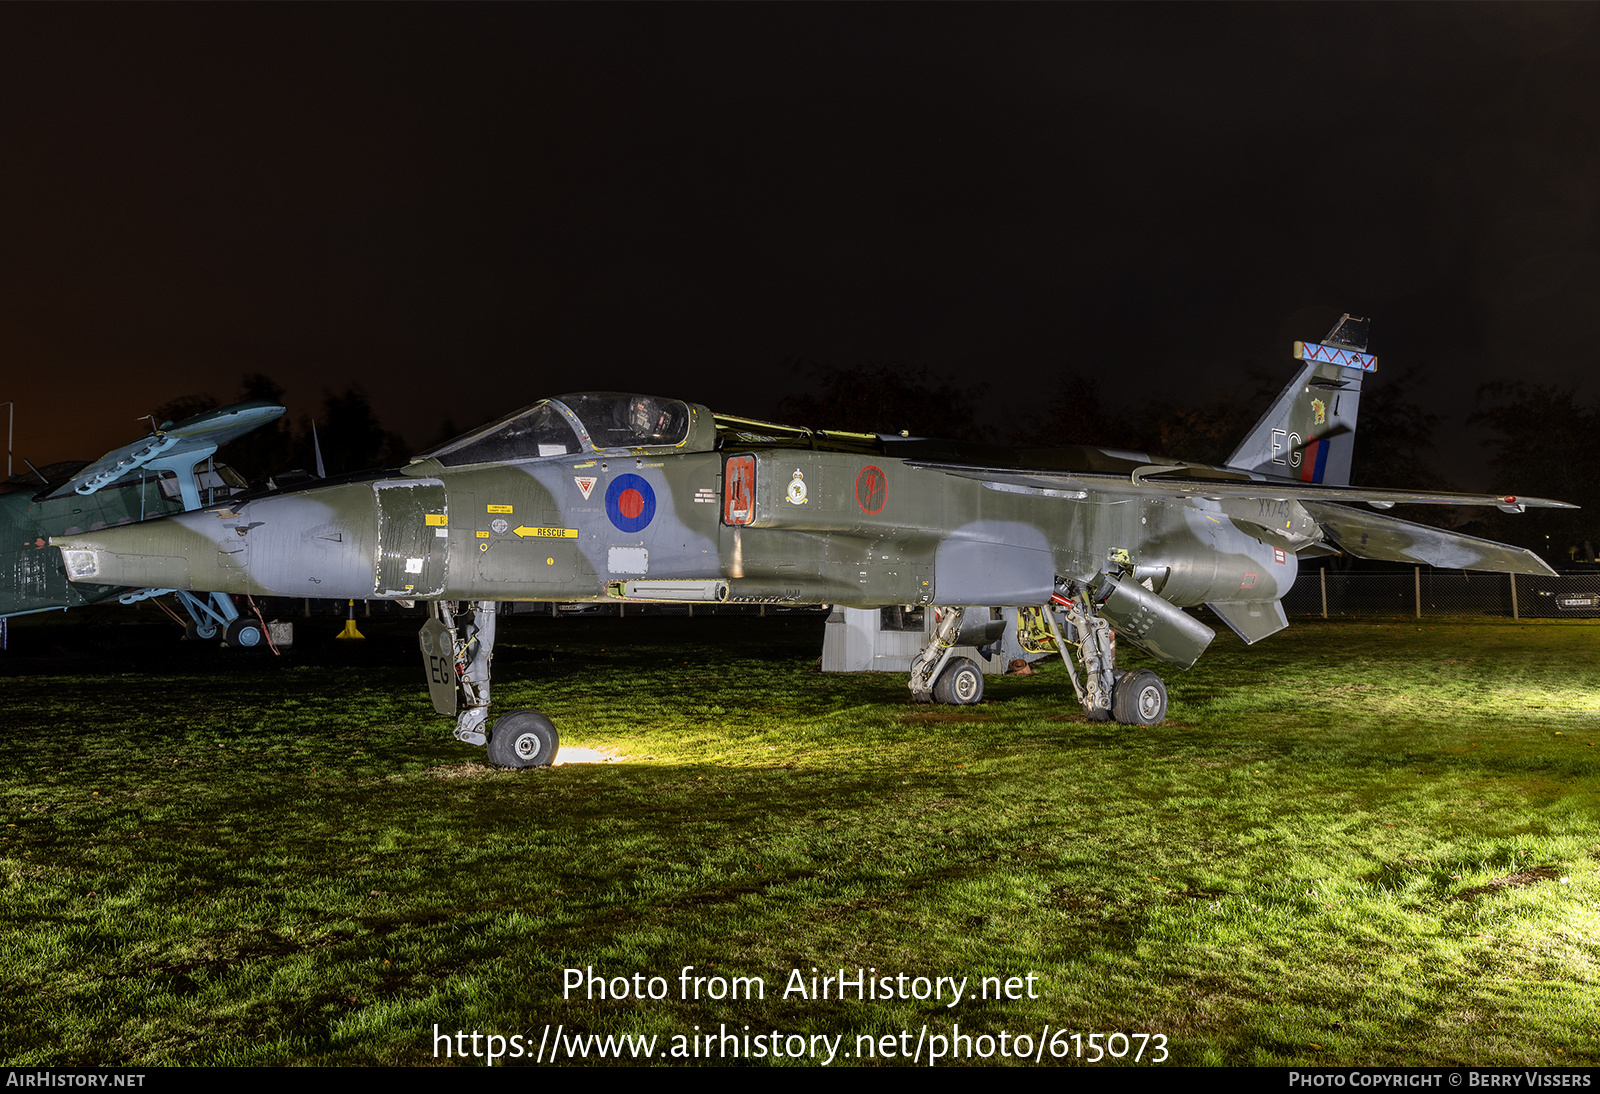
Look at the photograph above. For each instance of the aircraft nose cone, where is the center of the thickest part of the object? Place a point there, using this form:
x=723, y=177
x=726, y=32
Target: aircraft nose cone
x=153, y=554
x=316, y=544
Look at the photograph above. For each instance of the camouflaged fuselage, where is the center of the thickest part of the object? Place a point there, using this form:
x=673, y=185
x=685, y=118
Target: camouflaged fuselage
x=847, y=523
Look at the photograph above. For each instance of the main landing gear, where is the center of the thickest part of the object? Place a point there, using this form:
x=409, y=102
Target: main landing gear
x=939, y=677
x=458, y=654
x=1106, y=692
x=1070, y=619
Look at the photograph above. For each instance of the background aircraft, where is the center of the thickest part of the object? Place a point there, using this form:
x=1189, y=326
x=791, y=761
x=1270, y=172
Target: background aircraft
x=169, y=471
x=607, y=496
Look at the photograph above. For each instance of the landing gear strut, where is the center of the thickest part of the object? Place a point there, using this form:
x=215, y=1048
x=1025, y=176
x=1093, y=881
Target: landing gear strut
x=458, y=655
x=209, y=613
x=1106, y=692
x=938, y=677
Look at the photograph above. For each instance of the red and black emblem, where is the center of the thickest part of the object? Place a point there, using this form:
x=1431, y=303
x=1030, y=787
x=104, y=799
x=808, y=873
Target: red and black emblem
x=872, y=490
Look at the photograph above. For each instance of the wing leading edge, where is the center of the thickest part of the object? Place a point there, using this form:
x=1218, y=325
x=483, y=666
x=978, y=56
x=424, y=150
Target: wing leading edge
x=1159, y=480
x=1363, y=534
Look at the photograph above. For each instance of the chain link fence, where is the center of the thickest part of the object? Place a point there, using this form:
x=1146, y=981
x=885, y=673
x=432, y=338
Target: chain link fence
x=1421, y=592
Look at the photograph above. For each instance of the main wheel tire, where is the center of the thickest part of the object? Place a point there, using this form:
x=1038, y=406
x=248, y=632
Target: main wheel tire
x=960, y=684
x=523, y=738
x=244, y=634
x=1140, y=699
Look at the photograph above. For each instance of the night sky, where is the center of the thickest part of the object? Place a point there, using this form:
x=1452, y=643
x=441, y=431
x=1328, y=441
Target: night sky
x=466, y=208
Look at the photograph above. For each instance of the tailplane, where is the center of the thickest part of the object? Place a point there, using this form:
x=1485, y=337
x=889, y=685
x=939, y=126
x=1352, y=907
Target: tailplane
x=1308, y=434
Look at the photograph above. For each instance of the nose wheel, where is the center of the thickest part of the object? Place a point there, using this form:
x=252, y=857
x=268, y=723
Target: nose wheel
x=523, y=738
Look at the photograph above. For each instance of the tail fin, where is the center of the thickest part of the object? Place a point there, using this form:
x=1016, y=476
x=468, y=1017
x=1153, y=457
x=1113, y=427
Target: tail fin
x=1309, y=432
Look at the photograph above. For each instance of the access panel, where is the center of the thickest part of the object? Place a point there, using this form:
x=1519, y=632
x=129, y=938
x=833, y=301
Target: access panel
x=413, y=538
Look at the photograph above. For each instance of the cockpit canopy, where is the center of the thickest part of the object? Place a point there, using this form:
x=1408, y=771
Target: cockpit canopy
x=585, y=422
x=629, y=421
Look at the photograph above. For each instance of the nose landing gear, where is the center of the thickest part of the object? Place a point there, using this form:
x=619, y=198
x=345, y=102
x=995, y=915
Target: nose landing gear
x=457, y=656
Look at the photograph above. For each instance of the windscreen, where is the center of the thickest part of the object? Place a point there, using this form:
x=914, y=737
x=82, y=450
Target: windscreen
x=538, y=430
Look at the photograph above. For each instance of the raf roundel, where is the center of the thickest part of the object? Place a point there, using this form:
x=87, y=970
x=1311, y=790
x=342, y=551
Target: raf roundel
x=630, y=503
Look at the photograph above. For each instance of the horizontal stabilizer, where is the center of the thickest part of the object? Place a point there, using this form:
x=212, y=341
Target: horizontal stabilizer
x=1371, y=535
x=1251, y=620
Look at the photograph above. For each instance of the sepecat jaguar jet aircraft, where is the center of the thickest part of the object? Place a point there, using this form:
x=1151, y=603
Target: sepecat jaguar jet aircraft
x=607, y=496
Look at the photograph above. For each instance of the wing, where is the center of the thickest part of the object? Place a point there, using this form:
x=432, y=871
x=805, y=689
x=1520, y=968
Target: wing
x=1370, y=535
x=1354, y=531
x=195, y=437
x=1182, y=481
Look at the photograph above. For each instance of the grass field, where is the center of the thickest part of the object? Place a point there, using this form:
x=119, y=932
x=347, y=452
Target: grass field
x=1353, y=844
